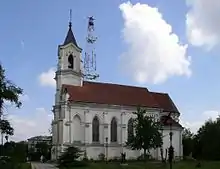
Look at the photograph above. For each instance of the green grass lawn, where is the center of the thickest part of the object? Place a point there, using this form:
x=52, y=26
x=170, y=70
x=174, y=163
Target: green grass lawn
x=151, y=165
x=25, y=166
x=15, y=166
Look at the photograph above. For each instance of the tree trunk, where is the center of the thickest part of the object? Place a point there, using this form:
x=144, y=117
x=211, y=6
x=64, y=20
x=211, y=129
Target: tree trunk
x=145, y=155
x=1, y=118
x=166, y=155
x=2, y=138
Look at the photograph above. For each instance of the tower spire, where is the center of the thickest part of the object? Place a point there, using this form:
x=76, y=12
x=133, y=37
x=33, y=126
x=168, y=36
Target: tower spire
x=70, y=21
x=70, y=38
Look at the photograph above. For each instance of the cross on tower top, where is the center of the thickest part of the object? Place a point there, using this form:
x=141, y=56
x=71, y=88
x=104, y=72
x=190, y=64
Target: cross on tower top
x=70, y=22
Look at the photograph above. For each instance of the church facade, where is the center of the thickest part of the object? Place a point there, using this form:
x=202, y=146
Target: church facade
x=96, y=117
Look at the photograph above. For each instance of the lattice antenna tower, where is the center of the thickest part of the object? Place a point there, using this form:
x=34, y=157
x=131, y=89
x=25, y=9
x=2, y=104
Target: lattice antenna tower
x=90, y=54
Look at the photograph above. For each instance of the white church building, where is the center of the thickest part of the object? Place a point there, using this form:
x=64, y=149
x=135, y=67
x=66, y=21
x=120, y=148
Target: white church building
x=93, y=115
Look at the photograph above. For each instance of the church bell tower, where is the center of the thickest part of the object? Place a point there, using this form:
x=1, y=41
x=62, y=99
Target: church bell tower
x=69, y=72
x=69, y=62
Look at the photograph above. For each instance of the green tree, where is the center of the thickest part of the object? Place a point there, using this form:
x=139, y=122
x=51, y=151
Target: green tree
x=70, y=156
x=206, y=141
x=147, y=133
x=44, y=149
x=187, y=142
x=17, y=151
x=6, y=129
x=8, y=92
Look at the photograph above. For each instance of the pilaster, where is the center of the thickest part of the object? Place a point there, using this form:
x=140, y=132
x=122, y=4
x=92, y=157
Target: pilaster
x=86, y=127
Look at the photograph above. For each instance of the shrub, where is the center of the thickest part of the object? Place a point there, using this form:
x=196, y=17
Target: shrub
x=70, y=158
x=142, y=158
x=6, y=162
x=85, y=158
x=115, y=159
x=102, y=157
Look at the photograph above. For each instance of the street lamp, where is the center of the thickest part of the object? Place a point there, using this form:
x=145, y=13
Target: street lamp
x=106, y=149
x=168, y=120
x=171, y=149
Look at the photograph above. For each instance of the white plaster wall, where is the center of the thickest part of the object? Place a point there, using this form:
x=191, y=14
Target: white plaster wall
x=65, y=51
x=176, y=141
x=105, y=115
x=76, y=135
x=61, y=130
x=54, y=131
x=78, y=129
x=71, y=79
x=94, y=152
x=132, y=154
x=113, y=152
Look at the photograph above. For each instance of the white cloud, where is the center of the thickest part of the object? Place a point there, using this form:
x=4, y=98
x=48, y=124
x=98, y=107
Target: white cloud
x=195, y=125
x=203, y=22
x=154, y=52
x=47, y=78
x=37, y=123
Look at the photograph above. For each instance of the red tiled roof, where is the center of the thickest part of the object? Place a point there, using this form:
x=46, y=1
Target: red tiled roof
x=166, y=121
x=115, y=94
x=165, y=102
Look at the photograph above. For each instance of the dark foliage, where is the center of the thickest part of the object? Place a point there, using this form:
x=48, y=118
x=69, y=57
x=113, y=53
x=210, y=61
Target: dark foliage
x=70, y=158
x=8, y=92
x=187, y=142
x=206, y=141
x=142, y=139
x=102, y=157
x=13, y=155
x=16, y=151
x=204, y=145
x=44, y=149
x=6, y=128
x=40, y=149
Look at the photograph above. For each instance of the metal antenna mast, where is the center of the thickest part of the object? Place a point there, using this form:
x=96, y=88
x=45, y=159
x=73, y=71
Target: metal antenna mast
x=90, y=54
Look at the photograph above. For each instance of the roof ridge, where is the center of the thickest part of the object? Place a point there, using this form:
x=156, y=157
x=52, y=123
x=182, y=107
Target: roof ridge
x=173, y=103
x=159, y=93
x=108, y=83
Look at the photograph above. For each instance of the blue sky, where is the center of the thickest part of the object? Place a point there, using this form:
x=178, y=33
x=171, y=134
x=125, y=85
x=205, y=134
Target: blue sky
x=30, y=32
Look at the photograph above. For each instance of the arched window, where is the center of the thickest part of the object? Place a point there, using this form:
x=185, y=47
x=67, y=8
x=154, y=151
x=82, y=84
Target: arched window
x=114, y=130
x=95, y=129
x=70, y=62
x=130, y=128
x=77, y=129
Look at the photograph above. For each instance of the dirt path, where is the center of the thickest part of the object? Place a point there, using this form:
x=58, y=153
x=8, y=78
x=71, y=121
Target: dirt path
x=42, y=166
